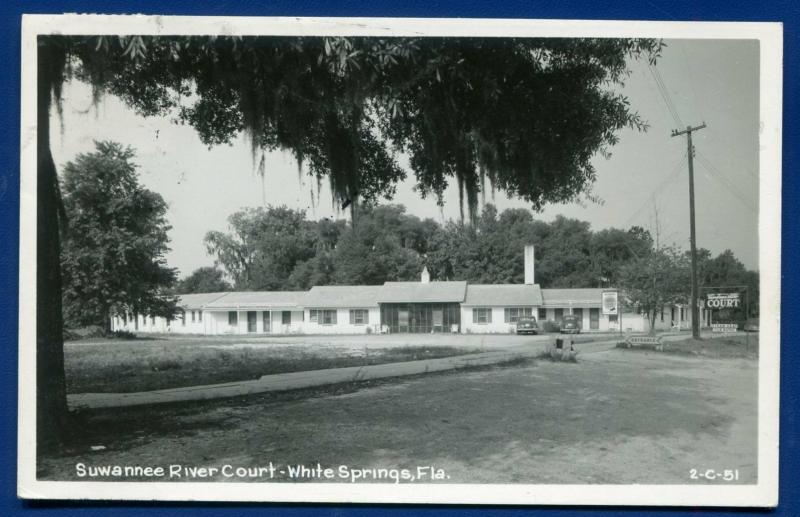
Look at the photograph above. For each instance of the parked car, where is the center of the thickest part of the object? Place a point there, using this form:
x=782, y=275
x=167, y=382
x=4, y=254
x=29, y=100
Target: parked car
x=527, y=325
x=571, y=324
x=751, y=325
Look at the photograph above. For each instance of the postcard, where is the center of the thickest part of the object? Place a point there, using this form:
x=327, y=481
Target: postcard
x=382, y=260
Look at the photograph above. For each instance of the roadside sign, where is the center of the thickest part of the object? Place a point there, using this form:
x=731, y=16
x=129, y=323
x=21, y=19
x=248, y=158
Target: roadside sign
x=723, y=327
x=722, y=300
x=610, y=302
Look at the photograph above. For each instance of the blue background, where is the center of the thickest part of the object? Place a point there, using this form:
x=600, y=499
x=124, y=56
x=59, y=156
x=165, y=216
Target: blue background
x=708, y=10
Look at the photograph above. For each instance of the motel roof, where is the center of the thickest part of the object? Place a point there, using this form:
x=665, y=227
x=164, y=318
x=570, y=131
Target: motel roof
x=198, y=300
x=257, y=299
x=343, y=296
x=419, y=292
x=363, y=296
x=565, y=297
x=504, y=294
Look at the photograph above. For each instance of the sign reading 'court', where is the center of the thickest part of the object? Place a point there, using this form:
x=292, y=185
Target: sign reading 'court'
x=722, y=300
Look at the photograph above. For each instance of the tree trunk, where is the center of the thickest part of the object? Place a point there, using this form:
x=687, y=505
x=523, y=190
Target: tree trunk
x=107, y=321
x=51, y=398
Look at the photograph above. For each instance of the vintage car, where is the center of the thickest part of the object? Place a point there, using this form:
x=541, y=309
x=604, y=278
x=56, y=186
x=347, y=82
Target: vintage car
x=570, y=324
x=527, y=325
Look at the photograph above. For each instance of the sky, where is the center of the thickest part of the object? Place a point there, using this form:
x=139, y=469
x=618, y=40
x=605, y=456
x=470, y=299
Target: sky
x=644, y=181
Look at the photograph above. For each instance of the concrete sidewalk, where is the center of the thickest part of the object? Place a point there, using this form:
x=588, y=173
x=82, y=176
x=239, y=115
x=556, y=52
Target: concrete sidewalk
x=314, y=378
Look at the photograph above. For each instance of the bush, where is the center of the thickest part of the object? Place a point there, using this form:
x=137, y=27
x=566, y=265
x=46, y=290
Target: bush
x=559, y=354
x=69, y=335
x=551, y=326
x=123, y=334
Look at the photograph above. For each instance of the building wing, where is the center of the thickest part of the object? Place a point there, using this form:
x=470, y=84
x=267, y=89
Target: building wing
x=198, y=300
x=418, y=292
x=507, y=295
x=259, y=300
x=344, y=296
x=577, y=297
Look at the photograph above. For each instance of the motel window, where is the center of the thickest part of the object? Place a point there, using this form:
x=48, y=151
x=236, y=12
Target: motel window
x=152, y=320
x=542, y=314
x=286, y=317
x=482, y=315
x=513, y=314
x=199, y=315
x=233, y=318
x=192, y=316
x=327, y=317
x=318, y=316
x=359, y=316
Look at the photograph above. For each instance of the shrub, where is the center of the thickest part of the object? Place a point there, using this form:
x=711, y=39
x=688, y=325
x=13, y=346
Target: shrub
x=551, y=326
x=69, y=335
x=123, y=334
x=566, y=353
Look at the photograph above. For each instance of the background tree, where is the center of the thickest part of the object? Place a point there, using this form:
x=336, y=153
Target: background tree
x=657, y=279
x=203, y=280
x=612, y=248
x=726, y=270
x=263, y=246
x=385, y=244
x=528, y=112
x=113, y=259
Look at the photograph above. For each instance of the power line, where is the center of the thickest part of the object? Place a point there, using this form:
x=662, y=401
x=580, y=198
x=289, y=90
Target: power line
x=748, y=171
x=677, y=169
x=727, y=184
x=720, y=175
x=665, y=96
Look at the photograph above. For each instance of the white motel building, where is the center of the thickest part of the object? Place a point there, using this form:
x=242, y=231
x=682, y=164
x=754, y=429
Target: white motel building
x=395, y=307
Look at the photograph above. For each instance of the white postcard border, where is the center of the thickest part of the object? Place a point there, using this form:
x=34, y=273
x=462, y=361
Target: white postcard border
x=762, y=494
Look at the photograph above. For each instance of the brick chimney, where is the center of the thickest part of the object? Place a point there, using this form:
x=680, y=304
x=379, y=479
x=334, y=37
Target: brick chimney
x=529, y=278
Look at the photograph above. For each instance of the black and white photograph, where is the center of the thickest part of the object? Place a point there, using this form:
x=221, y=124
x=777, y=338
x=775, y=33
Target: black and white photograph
x=400, y=260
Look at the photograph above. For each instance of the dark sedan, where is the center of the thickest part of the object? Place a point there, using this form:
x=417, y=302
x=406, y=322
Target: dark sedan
x=527, y=326
x=571, y=325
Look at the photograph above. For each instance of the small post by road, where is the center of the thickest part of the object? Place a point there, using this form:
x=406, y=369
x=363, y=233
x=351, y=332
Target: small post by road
x=692, y=237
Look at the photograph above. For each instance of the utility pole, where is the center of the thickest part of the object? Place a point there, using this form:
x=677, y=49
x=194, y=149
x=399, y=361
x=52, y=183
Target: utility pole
x=692, y=237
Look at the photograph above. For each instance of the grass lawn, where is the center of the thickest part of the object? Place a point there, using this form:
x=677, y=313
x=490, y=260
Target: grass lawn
x=612, y=417
x=97, y=366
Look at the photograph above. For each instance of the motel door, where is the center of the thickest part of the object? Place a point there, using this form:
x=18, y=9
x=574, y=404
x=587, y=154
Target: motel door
x=594, y=319
x=266, y=317
x=252, y=319
x=579, y=314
